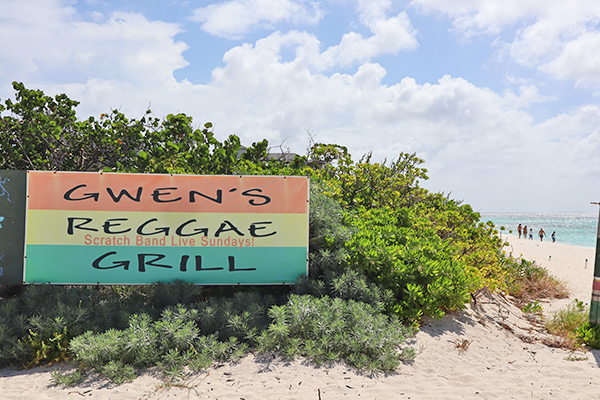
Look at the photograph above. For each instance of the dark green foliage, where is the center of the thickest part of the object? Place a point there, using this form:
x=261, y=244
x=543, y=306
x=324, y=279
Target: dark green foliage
x=170, y=343
x=242, y=316
x=327, y=234
x=193, y=335
x=36, y=326
x=43, y=133
x=40, y=132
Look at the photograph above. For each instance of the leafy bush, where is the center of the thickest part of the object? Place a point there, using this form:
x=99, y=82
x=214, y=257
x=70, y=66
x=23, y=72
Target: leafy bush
x=589, y=334
x=415, y=264
x=474, y=242
x=48, y=344
x=366, y=184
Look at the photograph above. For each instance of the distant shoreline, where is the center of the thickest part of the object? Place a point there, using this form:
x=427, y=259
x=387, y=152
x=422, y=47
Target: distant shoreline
x=536, y=239
x=578, y=229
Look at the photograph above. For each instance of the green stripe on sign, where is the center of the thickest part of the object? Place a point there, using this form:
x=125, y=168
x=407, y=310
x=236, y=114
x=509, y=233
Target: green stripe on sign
x=143, y=265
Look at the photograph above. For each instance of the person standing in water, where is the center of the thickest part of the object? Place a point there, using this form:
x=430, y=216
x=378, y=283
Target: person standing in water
x=530, y=233
x=519, y=229
x=553, y=236
x=542, y=234
x=525, y=232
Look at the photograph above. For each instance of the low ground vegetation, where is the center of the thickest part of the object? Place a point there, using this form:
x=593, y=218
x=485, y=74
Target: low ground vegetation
x=383, y=254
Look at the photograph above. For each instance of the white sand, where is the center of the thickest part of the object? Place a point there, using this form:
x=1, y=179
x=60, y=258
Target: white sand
x=504, y=359
x=572, y=264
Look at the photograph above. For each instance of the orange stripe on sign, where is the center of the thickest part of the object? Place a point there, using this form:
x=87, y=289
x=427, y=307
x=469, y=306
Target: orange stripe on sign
x=167, y=193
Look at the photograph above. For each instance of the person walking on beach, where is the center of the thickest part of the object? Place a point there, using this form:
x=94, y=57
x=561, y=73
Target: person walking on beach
x=519, y=228
x=553, y=236
x=542, y=234
x=530, y=233
x=525, y=232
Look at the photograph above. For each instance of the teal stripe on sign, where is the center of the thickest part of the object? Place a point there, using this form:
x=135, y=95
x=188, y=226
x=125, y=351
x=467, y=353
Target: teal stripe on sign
x=143, y=265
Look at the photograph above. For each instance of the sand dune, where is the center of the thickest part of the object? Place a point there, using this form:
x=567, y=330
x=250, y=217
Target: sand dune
x=488, y=351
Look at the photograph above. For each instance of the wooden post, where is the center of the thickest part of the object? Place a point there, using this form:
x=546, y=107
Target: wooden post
x=595, y=302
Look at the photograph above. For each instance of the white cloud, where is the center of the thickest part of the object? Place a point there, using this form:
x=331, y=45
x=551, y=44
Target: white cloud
x=487, y=16
x=450, y=118
x=550, y=34
x=579, y=60
x=233, y=19
x=105, y=62
x=50, y=42
x=371, y=11
x=390, y=35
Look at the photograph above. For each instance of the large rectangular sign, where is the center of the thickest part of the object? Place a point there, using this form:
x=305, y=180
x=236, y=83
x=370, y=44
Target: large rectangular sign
x=109, y=228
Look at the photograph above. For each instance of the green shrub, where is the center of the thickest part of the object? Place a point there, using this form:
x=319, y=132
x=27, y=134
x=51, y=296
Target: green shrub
x=325, y=329
x=590, y=335
x=527, y=282
x=240, y=316
x=327, y=234
x=567, y=322
x=420, y=269
x=47, y=346
x=368, y=184
x=347, y=285
x=67, y=379
x=118, y=372
x=182, y=336
x=352, y=285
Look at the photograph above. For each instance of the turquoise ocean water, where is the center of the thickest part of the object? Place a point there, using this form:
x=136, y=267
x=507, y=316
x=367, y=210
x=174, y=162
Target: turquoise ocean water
x=577, y=229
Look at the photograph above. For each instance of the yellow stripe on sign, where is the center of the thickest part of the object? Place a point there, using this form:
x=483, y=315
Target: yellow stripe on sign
x=113, y=228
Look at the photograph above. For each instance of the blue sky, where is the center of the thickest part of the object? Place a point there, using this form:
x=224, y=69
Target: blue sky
x=499, y=97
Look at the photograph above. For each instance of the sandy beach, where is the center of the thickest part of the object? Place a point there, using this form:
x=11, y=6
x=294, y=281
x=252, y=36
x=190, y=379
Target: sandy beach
x=488, y=351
